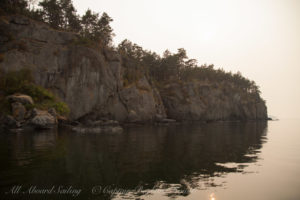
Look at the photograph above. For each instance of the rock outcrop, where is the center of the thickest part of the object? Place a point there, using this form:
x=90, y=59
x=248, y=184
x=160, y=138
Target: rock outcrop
x=42, y=119
x=18, y=111
x=31, y=118
x=90, y=81
x=209, y=102
x=20, y=98
x=142, y=101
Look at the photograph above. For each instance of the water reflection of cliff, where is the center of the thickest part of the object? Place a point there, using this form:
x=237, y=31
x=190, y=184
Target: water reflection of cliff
x=180, y=155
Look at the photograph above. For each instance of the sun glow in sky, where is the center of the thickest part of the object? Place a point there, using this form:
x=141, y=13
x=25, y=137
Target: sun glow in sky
x=259, y=38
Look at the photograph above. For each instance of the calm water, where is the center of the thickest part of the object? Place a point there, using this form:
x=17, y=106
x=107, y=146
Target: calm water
x=215, y=161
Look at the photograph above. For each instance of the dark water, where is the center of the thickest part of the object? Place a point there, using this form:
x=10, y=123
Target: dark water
x=254, y=160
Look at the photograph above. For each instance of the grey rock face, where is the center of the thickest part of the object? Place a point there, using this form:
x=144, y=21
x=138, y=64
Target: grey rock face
x=80, y=76
x=43, y=120
x=142, y=101
x=52, y=112
x=133, y=117
x=87, y=79
x=20, y=20
x=10, y=121
x=198, y=101
x=261, y=110
x=90, y=81
x=18, y=111
x=111, y=55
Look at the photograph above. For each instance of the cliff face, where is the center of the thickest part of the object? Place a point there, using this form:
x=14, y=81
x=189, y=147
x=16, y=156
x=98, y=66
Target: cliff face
x=206, y=101
x=90, y=80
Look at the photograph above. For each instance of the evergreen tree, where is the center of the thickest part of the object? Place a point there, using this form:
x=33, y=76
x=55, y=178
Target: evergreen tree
x=13, y=6
x=52, y=13
x=96, y=28
x=71, y=20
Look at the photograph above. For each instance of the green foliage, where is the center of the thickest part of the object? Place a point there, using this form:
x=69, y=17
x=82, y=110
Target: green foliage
x=52, y=13
x=84, y=41
x=38, y=93
x=94, y=28
x=97, y=28
x=177, y=67
x=60, y=107
x=15, y=81
x=61, y=14
x=22, y=82
x=71, y=19
x=134, y=65
x=13, y=6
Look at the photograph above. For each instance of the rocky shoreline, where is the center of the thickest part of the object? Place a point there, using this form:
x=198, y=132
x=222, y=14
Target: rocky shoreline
x=90, y=81
x=23, y=119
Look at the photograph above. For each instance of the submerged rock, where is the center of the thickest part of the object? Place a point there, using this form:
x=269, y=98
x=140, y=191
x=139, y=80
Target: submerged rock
x=87, y=129
x=98, y=126
x=167, y=121
x=81, y=129
x=116, y=129
x=103, y=123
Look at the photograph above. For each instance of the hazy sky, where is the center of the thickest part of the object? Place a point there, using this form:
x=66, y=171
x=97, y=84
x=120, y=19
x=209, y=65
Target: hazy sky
x=259, y=38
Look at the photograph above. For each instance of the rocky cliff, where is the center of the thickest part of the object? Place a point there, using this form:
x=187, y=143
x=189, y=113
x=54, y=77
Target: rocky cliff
x=90, y=81
x=211, y=101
